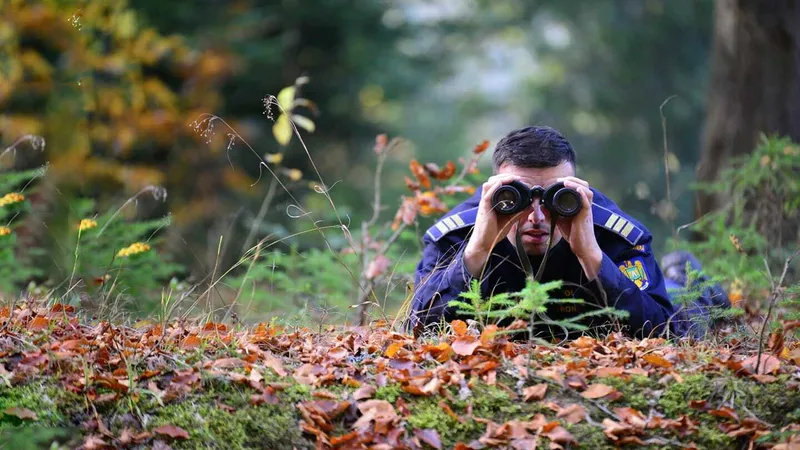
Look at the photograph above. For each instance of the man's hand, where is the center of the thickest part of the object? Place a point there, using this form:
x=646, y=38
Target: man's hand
x=490, y=227
x=578, y=230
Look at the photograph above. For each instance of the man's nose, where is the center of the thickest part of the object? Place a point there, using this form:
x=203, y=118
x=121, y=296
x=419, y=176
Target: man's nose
x=537, y=215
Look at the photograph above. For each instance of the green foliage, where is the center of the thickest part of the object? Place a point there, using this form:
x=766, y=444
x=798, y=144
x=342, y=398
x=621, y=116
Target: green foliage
x=298, y=287
x=758, y=225
x=531, y=303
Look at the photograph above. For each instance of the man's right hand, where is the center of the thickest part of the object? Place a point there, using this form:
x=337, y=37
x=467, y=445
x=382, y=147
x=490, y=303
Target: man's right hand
x=490, y=227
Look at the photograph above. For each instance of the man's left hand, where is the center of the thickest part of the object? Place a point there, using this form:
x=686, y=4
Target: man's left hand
x=578, y=230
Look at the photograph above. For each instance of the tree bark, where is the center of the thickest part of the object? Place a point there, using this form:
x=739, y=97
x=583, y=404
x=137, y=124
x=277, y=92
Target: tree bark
x=755, y=83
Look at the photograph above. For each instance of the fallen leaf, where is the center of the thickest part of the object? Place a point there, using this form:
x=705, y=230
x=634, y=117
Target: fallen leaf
x=172, y=431
x=21, y=413
x=572, y=414
x=534, y=393
x=39, y=323
x=725, y=412
x=595, y=391
x=769, y=364
x=392, y=350
x=465, y=345
x=459, y=327
x=656, y=360
x=430, y=437
x=365, y=391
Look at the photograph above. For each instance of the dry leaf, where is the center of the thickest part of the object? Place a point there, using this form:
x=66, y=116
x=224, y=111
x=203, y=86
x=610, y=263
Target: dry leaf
x=465, y=345
x=595, y=391
x=172, y=431
x=534, y=393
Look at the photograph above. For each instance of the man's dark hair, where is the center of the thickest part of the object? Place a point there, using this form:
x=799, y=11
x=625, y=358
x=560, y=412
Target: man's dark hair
x=533, y=147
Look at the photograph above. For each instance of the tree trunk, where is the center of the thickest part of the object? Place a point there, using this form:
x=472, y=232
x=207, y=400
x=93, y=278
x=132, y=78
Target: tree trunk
x=755, y=83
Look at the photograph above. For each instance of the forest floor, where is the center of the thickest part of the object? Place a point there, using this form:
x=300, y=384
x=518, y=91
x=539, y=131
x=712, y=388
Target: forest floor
x=67, y=382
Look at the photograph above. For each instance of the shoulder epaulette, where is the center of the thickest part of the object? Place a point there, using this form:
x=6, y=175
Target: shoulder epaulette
x=614, y=222
x=452, y=222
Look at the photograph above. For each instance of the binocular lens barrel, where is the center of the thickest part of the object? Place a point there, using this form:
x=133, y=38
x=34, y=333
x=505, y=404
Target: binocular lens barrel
x=515, y=196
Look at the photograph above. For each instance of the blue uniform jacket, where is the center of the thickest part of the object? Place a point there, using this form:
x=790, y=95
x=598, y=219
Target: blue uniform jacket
x=629, y=275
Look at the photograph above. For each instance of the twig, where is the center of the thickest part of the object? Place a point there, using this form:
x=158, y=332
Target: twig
x=776, y=290
x=666, y=158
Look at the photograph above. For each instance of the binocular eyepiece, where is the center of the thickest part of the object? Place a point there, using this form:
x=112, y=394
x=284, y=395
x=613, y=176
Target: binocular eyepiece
x=515, y=196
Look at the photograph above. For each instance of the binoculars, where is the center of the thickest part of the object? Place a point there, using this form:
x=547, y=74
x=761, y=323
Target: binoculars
x=515, y=196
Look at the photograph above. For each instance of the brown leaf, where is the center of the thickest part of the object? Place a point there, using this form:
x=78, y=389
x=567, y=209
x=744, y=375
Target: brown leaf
x=412, y=186
x=572, y=414
x=465, y=345
x=534, y=393
x=420, y=173
x=272, y=362
x=769, y=364
x=191, y=342
x=656, y=360
x=377, y=267
x=725, y=412
x=22, y=413
x=480, y=148
x=39, y=323
x=365, y=391
x=430, y=437
x=609, y=372
x=172, y=431
x=558, y=434
x=595, y=391
x=228, y=362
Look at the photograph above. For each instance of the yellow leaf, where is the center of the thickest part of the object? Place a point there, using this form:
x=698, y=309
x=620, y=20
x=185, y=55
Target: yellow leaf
x=286, y=98
x=274, y=158
x=304, y=122
x=126, y=24
x=282, y=130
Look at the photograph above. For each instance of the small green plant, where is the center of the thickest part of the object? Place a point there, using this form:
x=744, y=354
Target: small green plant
x=530, y=303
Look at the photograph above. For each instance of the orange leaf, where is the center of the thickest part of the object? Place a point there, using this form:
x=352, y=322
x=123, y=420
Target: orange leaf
x=597, y=391
x=725, y=412
x=459, y=327
x=393, y=349
x=39, y=323
x=172, y=431
x=656, y=360
x=420, y=173
x=480, y=148
x=769, y=364
x=465, y=345
x=191, y=341
x=365, y=391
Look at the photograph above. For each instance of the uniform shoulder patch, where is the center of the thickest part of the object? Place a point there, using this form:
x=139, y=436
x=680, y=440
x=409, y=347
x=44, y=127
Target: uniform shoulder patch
x=612, y=221
x=451, y=223
x=636, y=270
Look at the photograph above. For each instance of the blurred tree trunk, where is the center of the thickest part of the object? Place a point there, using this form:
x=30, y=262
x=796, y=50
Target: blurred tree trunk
x=755, y=83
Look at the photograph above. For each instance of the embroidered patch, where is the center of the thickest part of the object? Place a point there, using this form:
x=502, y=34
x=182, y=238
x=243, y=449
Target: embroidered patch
x=635, y=270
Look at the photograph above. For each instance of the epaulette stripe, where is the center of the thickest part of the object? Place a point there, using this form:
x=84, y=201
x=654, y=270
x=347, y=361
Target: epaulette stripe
x=615, y=223
x=620, y=223
x=627, y=230
x=458, y=220
x=611, y=220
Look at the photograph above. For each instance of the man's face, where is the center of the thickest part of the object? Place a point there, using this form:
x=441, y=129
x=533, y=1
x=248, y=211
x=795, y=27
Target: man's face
x=535, y=227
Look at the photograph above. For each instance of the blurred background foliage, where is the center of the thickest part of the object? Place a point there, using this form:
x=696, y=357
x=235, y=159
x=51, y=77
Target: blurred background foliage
x=132, y=94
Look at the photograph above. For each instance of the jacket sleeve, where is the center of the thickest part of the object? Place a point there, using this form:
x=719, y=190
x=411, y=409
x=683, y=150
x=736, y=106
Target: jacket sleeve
x=632, y=281
x=440, y=277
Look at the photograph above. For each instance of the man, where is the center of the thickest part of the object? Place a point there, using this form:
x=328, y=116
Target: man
x=603, y=255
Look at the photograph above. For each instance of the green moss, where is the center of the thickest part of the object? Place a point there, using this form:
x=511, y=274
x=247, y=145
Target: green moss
x=771, y=402
x=426, y=413
x=708, y=436
x=208, y=426
x=390, y=393
x=590, y=436
x=272, y=426
x=675, y=399
x=51, y=404
x=634, y=389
